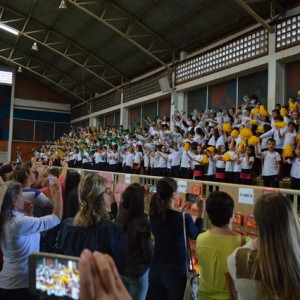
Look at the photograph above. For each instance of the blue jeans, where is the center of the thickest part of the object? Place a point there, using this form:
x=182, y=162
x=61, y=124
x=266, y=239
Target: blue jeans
x=137, y=287
x=166, y=284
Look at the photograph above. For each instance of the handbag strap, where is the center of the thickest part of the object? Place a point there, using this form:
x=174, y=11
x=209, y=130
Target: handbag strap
x=187, y=245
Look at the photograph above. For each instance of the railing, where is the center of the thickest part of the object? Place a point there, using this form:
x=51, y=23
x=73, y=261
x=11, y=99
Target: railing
x=244, y=196
x=240, y=50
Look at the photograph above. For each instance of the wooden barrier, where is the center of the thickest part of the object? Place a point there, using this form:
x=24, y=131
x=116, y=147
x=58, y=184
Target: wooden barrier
x=244, y=196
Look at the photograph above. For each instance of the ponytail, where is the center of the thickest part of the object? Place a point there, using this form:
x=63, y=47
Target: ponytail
x=158, y=204
x=158, y=207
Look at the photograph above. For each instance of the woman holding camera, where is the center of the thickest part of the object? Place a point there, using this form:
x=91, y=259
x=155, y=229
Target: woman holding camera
x=167, y=276
x=20, y=236
x=269, y=267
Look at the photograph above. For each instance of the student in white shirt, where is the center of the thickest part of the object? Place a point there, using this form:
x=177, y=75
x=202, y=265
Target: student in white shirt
x=163, y=159
x=277, y=134
x=175, y=159
x=137, y=160
x=271, y=165
x=246, y=162
x=128, y=160
x=113, y=159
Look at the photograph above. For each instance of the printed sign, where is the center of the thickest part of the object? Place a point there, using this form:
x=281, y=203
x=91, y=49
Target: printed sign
x=182, y=186
x=246, y=196
x=127, y=178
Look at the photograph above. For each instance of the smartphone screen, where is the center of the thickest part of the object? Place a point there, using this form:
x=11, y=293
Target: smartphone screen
x=54, y=275
x=191, y=197
x=152, y=189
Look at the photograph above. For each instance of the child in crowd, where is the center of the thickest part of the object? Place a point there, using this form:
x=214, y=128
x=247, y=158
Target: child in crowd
x=246, y=161
x=220, y=164
x=271, y=165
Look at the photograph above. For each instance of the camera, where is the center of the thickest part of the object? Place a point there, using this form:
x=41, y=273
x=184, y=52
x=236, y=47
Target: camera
x=54, y=275
x=191, y=197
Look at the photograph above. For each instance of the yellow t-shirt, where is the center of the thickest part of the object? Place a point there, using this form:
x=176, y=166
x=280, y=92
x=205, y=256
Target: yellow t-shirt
x=212, y=251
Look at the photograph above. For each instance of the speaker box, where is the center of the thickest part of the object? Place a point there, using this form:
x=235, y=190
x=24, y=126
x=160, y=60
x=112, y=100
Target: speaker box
x=164, y=84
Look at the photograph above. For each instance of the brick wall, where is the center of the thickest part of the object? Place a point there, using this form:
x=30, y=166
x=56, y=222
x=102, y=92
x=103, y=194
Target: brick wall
x=30, y=88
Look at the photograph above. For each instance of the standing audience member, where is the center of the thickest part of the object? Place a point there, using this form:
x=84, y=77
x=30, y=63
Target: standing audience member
x=139, y=246
x=167, y=276
x=71, y=204
x=269, y=266
x=91, y=227
x=215, y=245
x=25, y=175
x=20, y=236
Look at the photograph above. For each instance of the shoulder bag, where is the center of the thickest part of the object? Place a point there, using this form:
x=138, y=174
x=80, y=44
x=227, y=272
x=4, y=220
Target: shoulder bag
x=192, y=280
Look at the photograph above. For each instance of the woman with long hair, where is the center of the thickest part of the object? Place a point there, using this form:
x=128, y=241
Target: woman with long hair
x=269, y=267
x=20, y=236
x=71, y=204
x=139, y=246
x=91, y=228
x=167, y=276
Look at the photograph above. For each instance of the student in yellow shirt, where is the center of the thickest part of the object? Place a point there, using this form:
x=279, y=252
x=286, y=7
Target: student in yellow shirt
x=215, y=245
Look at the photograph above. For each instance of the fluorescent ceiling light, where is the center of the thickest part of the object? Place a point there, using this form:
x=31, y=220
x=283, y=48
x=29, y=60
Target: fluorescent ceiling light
x=9, y=29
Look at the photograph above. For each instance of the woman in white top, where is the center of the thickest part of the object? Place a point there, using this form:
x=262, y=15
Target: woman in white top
x=20, y=236
x=269, y=267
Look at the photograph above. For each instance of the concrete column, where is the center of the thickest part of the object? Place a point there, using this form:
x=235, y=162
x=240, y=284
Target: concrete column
x=93, y=122
x=276, y=76
x=124, y=116
x=178, y=102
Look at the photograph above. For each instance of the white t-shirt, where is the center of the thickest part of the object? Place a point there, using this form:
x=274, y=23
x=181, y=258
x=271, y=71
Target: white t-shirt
x=137, y=157
x=175, y=157
x=129, y=159
x=295, y=171
x=270, y=163
x=244, y=164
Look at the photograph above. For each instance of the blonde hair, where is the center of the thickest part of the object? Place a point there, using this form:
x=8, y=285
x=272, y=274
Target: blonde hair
x=91, y=191
x=278, y=255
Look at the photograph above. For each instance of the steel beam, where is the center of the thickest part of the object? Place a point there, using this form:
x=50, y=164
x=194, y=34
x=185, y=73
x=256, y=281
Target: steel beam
x=251, y=12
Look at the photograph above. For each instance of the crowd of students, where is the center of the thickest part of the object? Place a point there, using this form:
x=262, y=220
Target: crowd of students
x=229, y=146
